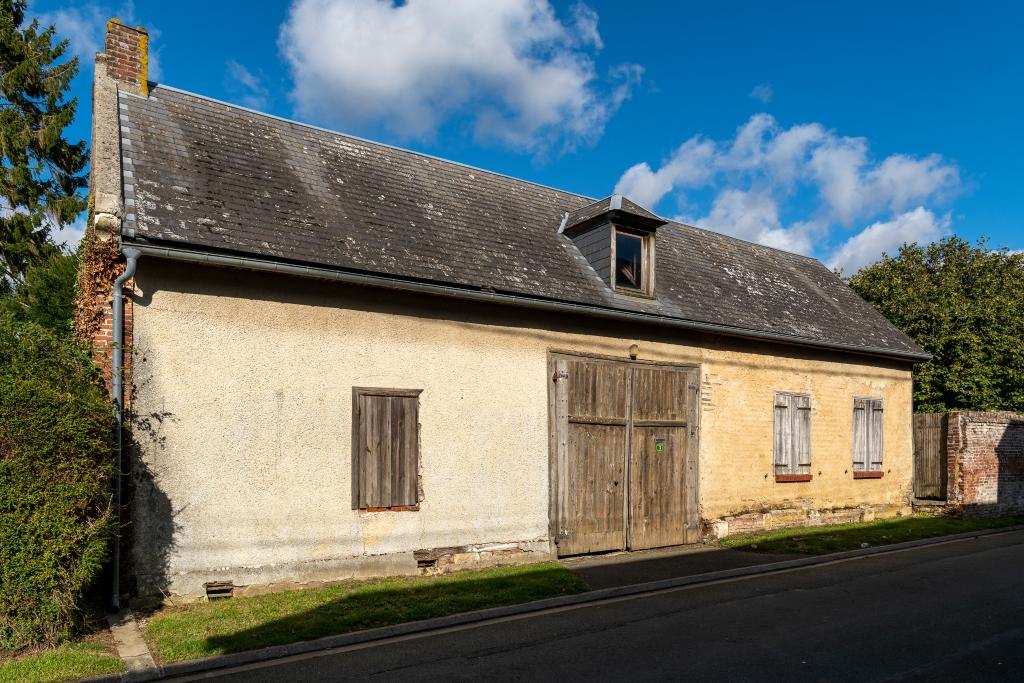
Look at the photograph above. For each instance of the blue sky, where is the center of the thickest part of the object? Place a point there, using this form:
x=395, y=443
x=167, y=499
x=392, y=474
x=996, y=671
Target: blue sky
x=834, y=129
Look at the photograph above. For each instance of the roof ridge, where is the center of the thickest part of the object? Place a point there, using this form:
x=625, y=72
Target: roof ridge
x=587, y=206
x=349, y=136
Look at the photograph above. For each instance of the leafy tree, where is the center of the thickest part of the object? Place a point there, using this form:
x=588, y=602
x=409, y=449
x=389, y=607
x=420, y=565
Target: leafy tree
x=42, y=175
x=47, y=294
x=963, y=304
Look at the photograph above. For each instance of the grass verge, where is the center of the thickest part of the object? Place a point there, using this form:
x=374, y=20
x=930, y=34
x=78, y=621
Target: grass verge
x=246, y=623
x=839, y=537
x=62, y=663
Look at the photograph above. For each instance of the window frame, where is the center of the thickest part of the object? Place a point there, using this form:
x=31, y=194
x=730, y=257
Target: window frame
x=646, y=262
x=357, y=440
x=792, y=471
x=870, y=468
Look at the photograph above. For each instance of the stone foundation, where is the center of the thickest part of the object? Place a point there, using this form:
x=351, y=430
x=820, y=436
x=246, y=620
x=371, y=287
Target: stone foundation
x=189, y=587
x=783, y=518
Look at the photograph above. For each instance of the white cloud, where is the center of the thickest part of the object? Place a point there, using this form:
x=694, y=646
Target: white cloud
x=69, y=235
x=246, y=87
x=767, y=172
x=750, y=214
x=690, y=166
x=867, y=246
x=762, y=93
x=520, y=75
x=84, y=25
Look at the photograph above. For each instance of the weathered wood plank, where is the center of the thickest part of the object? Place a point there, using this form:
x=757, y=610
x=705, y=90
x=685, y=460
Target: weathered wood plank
x=860, y=434
x=783, y=434
x=930, y=456
x=385, y=454
x=596, y=490
x=658, y=457
x=877, y=434
x=802, y=434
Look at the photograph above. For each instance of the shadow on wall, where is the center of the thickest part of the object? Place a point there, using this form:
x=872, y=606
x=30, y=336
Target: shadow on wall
x=147, y=536
x=991, y=464
x=353, y=607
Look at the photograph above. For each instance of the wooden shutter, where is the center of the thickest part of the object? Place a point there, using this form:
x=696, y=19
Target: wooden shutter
x=385, y=447
x=861, y=424
x=802, y=434
x=876, y=430
x=783, y=434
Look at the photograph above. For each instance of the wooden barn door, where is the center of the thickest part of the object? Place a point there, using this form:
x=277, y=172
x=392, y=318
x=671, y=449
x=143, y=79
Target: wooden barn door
x=662, y=462
x=624, y=455
x=593, y=403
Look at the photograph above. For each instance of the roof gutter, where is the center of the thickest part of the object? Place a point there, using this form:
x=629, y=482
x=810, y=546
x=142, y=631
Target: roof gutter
x=316, y=272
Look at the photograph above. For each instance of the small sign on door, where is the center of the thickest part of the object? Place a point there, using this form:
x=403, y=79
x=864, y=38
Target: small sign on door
x=659, y=443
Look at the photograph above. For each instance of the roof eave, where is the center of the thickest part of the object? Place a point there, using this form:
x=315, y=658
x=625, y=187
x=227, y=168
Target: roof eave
x=248, y=262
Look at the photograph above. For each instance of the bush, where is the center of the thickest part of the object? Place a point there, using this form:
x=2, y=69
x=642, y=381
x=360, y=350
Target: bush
x=55, y=475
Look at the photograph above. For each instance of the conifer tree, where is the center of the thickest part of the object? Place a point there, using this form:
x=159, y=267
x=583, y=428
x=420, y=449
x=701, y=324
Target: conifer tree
x=42, y=174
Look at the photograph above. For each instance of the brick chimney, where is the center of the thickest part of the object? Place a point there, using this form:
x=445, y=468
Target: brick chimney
x=121, y=68
x=126, y=53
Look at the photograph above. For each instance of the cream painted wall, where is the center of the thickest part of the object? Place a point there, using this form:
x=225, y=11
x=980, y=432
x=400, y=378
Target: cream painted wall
x=243, y=397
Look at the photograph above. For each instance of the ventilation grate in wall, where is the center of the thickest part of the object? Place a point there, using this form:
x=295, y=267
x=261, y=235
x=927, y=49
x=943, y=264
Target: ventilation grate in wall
x=219, y=590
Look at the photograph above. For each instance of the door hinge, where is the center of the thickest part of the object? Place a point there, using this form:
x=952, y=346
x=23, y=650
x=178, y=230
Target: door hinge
x=561, y=374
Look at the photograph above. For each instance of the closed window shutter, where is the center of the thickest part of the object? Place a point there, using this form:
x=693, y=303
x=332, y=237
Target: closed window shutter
x=860, y=434
x=404, y=450
x=385, y=454
x=783, y=434
x=876, y=432
x=802, y=434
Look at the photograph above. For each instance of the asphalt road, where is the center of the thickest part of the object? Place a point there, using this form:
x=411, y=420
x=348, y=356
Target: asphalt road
x=946, y=612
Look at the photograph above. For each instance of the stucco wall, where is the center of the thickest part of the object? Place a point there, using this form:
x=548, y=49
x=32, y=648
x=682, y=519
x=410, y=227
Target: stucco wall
x=243, y=403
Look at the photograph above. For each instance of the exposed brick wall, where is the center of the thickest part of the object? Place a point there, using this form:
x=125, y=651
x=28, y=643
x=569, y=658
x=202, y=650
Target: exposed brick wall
x=127, y=56
x=986, y=462
x=102, y=339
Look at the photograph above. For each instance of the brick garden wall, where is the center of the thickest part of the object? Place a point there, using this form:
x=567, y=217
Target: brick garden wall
x=986, y=463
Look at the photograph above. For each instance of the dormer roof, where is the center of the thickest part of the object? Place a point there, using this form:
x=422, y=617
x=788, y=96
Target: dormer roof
x=615, y=208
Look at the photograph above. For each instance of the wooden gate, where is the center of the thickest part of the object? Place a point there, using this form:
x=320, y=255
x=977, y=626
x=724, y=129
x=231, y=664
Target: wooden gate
x=624, y=454
x=930, y=472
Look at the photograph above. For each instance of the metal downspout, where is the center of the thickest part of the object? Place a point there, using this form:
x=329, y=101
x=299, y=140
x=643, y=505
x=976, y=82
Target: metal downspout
x=132, y=256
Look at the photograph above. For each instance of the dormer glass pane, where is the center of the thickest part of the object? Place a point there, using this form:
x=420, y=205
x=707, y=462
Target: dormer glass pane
x=629, y=261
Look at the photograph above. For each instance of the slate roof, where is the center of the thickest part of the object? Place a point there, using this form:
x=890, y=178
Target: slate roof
x=204, y=175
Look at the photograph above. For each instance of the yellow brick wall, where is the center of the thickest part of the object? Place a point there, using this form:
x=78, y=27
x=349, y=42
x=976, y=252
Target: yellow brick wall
x=738, y=423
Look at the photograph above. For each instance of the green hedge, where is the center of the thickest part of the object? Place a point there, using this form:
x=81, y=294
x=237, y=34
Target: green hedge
x=55, y=475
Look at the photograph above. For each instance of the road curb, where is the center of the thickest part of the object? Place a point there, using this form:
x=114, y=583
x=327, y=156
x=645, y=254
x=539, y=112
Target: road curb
x=466, y=618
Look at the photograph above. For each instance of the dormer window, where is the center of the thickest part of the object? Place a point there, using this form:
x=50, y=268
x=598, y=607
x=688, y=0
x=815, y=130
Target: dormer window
x=616, y=236
x=633, y=262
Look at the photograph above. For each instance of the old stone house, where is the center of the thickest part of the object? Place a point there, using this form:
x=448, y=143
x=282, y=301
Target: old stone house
x=347, y=359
